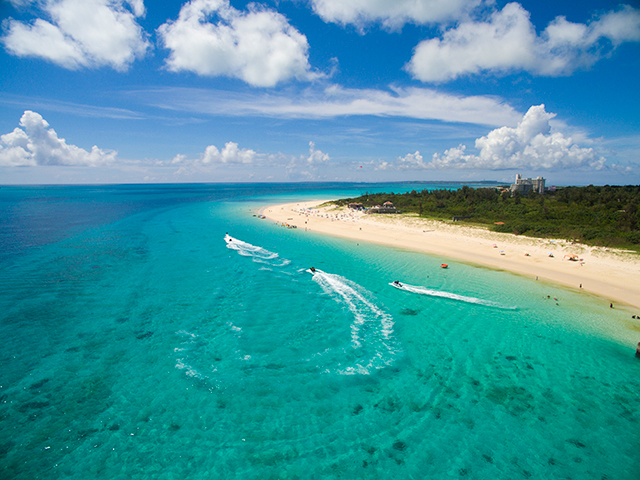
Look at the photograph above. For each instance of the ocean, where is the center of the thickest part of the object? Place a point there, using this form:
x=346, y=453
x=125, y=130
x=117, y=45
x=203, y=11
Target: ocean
x=138, y=343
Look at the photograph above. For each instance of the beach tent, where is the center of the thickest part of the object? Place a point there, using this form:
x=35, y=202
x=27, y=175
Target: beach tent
x=572, y=257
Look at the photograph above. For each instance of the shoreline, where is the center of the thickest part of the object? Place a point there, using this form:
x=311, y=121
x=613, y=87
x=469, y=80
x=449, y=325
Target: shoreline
x=612, y=275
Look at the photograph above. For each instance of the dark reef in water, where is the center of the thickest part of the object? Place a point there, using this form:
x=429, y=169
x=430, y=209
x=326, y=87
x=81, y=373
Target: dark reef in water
x=39, y=384
x=399, y=445
x=32, y=406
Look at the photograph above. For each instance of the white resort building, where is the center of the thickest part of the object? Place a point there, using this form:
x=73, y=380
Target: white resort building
x=525, y=185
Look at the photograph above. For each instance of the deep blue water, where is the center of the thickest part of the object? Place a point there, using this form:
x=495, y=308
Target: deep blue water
x=137, y=343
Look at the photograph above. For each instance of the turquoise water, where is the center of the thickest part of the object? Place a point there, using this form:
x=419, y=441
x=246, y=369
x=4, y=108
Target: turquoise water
x=137, y=343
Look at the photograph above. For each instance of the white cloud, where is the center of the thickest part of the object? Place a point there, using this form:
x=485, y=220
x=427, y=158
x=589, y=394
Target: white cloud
x=138, y=7
x=301, y=167
x=179, y=158
x=530, y=145
x=508, y=42
x=411, y=161
x=258, y=46
x=80, y=33
x=316, y=157
x=392, y=14
x=37, y=144
x=14, y=149
x=230, y=154
x=335, y=101
x=21, y=3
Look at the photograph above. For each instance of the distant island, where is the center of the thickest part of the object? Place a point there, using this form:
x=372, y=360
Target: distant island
x=606, y=216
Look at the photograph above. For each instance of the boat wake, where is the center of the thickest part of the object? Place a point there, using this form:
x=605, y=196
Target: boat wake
x=372, y=329
x=452, y=296
x=258, y=254
x=372, y=344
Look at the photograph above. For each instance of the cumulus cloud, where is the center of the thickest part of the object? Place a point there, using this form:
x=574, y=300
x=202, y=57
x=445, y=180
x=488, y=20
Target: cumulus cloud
x=301, y=167
x=258, y=46
x=80, y=33
x=391, y=14
x=507, y=41
x=138, y=7
x=230, y=154
x=411, y=161
x=37, y=144
x=530, y=145
x=316, y=157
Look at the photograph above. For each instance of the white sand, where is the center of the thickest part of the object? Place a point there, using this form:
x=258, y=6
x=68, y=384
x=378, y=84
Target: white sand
x=611, y=274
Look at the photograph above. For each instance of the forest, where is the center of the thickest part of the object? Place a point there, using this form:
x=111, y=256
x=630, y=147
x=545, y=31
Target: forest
x=595, y=215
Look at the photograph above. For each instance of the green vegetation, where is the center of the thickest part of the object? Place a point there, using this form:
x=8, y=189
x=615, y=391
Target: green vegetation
x=606, y=216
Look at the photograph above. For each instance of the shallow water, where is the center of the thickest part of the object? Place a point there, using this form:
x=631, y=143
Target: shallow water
x=138, y=343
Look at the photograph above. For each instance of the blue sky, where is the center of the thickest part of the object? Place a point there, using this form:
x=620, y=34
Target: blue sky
x=115, y=91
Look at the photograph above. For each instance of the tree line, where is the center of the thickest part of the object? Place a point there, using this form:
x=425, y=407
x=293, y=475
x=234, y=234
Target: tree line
x=596, y=215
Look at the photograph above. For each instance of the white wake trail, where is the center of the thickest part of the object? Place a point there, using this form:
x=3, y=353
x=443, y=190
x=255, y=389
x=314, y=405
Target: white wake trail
x=372, y=328
x=258, y=254
x=452, y=296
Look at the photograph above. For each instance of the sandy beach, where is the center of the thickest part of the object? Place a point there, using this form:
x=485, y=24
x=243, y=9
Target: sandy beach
x=611, y=274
